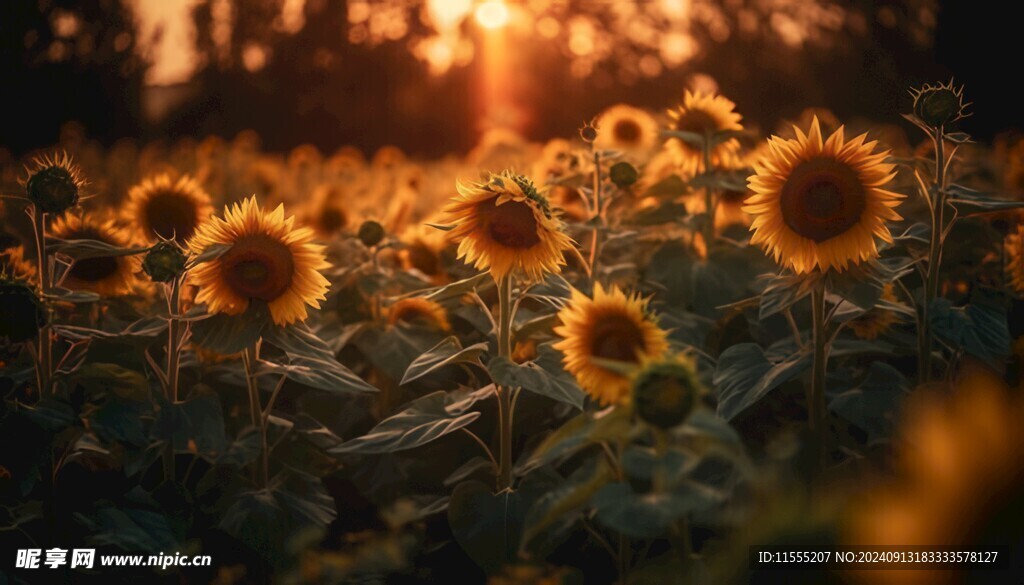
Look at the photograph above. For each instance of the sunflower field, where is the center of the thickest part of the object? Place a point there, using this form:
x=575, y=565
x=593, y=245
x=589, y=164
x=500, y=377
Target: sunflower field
x=626, y=355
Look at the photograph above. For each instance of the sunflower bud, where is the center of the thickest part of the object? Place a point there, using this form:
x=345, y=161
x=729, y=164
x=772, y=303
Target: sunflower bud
x=53, y=189
x=623, y=174
x=666, y=392
x=371, y=233
x=588, y=132
x=939, y=105
x=21, y=312
x=164, y=262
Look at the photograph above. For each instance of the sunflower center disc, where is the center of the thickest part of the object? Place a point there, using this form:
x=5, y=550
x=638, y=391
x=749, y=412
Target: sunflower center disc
x=618, y=338
x=696, y=121
x=259, y=267
x=822, y=199
x=332, y=219
x=92, y=269
x=512, y=224
x=171, y=214
x=626, y=131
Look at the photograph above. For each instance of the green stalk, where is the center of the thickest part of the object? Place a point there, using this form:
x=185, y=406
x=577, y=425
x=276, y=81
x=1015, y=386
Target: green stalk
x=598, y=217
x=44, y=373
x=173, y=360
x=709, y=197
x=249, y=358
x=816, y=413
x=505, y=394
x=931, y=290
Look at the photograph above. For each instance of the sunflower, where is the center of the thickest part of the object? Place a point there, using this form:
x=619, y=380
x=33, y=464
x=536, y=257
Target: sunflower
x=877, y=320
x=421, y=250
x=1014, y=246
x=626, y=128
x=13, y=265
x=558, y=160
x=702, y=114
x=820, y=204
x=506, y=226
x=611, y=326
x=163, y=207
x=270, y=260
x=54, y=183
x=418, y=311
x=105, y=275
x=326, y=214
x=959, y=478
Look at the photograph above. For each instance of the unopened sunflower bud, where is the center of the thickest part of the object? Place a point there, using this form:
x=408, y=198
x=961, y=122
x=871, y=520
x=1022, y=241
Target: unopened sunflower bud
x=53, y=185
x=21, y=312
x=371, y=233
x=623, y=174
x=938, y=105
x=666, y=392
x=588, y=132
x=164, y=262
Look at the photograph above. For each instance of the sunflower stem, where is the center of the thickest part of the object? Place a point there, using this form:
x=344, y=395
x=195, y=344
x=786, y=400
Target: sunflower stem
x=249, y=358
x=505, y=316
x=816, y=413
x=709, y=196
x=598, y=217
x=173, y=357
x=931, y=291
x=44, y=375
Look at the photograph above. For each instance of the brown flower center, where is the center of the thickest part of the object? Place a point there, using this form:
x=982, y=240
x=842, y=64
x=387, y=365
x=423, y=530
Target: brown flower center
x=822, y=198
x=171, y=214
x=511, y=224
x=627, y=131
x=332, y=219
x=617, y=337
x=423, y=259
x=95, y=269
x=696, y=121
x=258, y=267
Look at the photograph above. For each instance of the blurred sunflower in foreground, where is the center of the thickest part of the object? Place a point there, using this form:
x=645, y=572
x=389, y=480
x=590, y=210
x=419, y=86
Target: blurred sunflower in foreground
x=610, y=326
x=504, y=225
x=702, y=114
x=168, y=208
x=960, y=480
x=819, y=204
x=269, y=260
x=626, y=128
x=108, y=276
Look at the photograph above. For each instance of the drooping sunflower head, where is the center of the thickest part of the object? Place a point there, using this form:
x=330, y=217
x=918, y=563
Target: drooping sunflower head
x=418, y=311
x=504, y=225
x=820, y=204
x=626, y=128
x=105, y=275
x=162, y=207
x=1014, y=246
x=610, y=326
x=666, y=391
x=270, y=260
x=877, y=320
x=54, y=183
x=421, y=248
x=702, y=114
